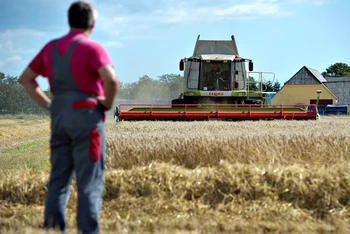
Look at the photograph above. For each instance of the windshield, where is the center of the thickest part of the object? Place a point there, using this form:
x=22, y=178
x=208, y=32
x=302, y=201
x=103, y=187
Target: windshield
x=216, y=76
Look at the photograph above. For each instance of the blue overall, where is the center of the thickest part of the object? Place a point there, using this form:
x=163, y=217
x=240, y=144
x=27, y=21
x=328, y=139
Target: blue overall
x=77, y=147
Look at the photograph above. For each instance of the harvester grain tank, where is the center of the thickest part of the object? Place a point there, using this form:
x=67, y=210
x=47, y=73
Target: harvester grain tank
x=216, y=86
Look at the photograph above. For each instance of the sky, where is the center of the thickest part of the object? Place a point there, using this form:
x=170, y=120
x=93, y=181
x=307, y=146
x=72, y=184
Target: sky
x=149, y=37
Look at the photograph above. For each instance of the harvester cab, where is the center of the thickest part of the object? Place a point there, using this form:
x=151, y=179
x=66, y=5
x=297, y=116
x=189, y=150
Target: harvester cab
x=216, y=86
x=216, y=74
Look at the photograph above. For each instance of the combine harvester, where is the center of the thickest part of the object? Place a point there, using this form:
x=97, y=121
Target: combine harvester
x=216, y=86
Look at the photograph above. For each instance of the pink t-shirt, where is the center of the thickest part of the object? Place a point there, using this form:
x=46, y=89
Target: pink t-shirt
x=87, y=58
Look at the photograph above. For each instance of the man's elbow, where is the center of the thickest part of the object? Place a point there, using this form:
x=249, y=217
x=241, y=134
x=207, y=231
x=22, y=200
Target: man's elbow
x=27, y=76
x=115, y=80
x=115, y=85
x=21, y=79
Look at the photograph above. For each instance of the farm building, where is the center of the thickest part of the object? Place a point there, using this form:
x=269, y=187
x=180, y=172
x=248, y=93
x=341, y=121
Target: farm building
x=302, y=89
x=340, y=87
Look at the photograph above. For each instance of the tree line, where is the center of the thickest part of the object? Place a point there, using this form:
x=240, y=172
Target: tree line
x=14, y=99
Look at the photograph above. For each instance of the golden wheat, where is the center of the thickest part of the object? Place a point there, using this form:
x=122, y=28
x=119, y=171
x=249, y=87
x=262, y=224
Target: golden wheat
x=192, y=144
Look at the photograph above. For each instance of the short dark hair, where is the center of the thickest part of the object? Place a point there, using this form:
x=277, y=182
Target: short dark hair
x=81, y=15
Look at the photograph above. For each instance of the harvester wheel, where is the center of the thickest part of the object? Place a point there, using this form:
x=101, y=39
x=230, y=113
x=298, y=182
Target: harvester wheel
x=178, y=101
x=116, y=114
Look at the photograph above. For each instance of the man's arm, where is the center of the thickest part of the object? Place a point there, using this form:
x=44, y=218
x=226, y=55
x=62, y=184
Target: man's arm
x=27, y=80
x=110, y=85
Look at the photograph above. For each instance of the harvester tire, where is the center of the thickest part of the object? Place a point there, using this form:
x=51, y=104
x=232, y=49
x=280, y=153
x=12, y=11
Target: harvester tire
x=178, y=101
x=116, y=114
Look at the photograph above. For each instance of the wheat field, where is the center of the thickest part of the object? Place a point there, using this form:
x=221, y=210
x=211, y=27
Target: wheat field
x=193, y=177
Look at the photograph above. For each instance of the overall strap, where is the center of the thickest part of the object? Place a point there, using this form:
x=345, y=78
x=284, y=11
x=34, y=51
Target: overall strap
x=62, y=79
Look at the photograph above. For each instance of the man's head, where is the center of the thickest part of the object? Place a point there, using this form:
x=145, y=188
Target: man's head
x=81, y=15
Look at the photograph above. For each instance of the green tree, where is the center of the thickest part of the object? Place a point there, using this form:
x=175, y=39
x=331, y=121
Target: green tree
x=2, y=76
x=166, y=86
x=14, y=99
x=173, y=84
x=337, y=69
x=276, y=86
x=252, y=84
x=147, y=88
x=269, y=86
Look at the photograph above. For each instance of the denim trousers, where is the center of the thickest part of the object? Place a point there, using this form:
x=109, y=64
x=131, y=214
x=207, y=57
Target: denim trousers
x=77, y=147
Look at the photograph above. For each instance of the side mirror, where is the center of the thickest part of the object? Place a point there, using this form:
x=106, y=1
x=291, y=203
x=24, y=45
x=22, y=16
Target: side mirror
x=181, y=65
x=251, y=66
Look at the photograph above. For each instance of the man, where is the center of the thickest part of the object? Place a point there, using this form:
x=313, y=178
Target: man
x=83, y=84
